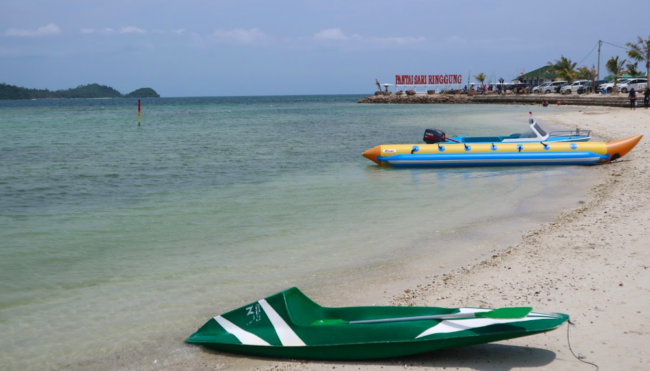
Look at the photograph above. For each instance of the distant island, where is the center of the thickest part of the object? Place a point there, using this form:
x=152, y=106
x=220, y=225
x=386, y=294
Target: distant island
x=84, y=91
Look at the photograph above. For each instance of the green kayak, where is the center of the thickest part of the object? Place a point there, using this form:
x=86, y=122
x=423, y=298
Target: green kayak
x=290, y=325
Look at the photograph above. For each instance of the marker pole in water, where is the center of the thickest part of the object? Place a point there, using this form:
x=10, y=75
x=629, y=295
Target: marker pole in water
x=138, y=112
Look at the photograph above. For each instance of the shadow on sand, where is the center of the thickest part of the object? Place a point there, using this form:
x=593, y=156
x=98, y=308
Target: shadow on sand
x=486, y=357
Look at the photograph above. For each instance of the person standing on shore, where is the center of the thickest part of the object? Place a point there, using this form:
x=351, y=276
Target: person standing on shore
x=632, y=97
x=646, y=97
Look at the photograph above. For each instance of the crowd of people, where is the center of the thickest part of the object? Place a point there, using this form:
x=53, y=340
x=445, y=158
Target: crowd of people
x=499, y=88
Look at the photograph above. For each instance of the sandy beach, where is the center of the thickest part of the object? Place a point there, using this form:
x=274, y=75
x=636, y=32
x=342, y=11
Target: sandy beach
x=591, y=262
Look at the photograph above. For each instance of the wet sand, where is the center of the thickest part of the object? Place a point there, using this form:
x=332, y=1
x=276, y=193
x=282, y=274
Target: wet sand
x=592, y=262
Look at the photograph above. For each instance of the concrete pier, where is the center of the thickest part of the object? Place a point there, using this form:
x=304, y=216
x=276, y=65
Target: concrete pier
x=620, y=100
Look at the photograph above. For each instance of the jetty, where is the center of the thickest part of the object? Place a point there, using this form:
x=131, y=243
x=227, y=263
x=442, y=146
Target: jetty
x=608, y=100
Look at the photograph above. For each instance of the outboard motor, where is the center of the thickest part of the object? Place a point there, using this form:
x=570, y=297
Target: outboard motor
x=432, y=136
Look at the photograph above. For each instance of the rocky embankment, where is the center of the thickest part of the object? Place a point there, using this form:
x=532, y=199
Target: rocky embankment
x=528, y=99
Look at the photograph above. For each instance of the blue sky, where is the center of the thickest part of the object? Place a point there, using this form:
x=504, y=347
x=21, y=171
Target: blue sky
x=216, y=48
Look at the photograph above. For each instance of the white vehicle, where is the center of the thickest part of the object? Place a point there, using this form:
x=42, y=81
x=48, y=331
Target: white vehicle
x=637, y=84
x=554, y=87
x=574, y=86
x=609, y=87
x=541, y=88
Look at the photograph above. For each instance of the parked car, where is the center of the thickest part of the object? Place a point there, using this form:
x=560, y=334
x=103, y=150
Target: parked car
x=541, y=88
x=556, y=86
x=549, y=87
x=638, y=85
x=599, y=83
x=609, y=87
x=574, y=86
x=520, y=87
x=587, y=86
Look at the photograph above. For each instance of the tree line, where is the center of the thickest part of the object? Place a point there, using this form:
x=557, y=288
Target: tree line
x=637, y=52
x=83, y=91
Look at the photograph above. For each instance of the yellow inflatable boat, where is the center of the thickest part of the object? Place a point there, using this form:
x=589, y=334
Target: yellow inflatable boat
x=500, y=154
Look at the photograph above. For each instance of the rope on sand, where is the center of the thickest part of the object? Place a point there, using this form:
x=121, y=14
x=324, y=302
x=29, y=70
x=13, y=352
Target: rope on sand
x=569, y=342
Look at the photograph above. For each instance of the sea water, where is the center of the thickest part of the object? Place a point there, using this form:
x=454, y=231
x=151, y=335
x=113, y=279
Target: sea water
x=117, y=241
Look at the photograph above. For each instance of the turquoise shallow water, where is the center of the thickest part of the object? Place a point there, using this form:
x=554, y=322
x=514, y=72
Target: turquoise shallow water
x=118, y=241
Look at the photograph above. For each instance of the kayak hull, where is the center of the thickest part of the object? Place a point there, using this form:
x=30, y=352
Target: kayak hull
x=494, y=159
x=290, y=325
x=343, y=352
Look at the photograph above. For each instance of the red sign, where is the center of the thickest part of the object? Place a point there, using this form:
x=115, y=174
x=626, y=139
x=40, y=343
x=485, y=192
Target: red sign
x=428, y=79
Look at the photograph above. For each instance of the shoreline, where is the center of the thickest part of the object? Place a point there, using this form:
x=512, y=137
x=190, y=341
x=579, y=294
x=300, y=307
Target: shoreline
x=588, y=262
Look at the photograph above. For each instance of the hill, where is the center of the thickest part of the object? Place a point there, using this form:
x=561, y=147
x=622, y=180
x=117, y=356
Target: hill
x=84, y=91
x=143, y=93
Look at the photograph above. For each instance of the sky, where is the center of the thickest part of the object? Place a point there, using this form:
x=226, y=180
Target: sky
x=263, y=47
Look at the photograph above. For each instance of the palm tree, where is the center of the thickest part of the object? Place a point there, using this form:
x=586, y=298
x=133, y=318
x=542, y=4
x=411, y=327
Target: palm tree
x=564, y=67
x=632, y=69
x=615, y=68
x=640, y=51
x=480, y=77
x=586, y=73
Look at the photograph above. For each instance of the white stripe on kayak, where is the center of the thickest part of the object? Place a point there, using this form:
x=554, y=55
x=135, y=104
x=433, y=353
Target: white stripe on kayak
x=473, y=310
x=243, y=336
x=284, y=332
x=448, y=326
x=546, y=315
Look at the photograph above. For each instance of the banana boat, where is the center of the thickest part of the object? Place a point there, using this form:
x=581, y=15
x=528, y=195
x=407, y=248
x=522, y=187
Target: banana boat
x=500, y=154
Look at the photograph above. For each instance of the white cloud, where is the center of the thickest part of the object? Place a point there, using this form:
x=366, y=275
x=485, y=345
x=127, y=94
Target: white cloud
x=239, y=35
x=180, y=31
x=87, y=30
x=108, y=30
x=330, y=34
x=50, y=29
x=131, y=29
x=336, y=37
x=394, y=40
x=456, y=40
